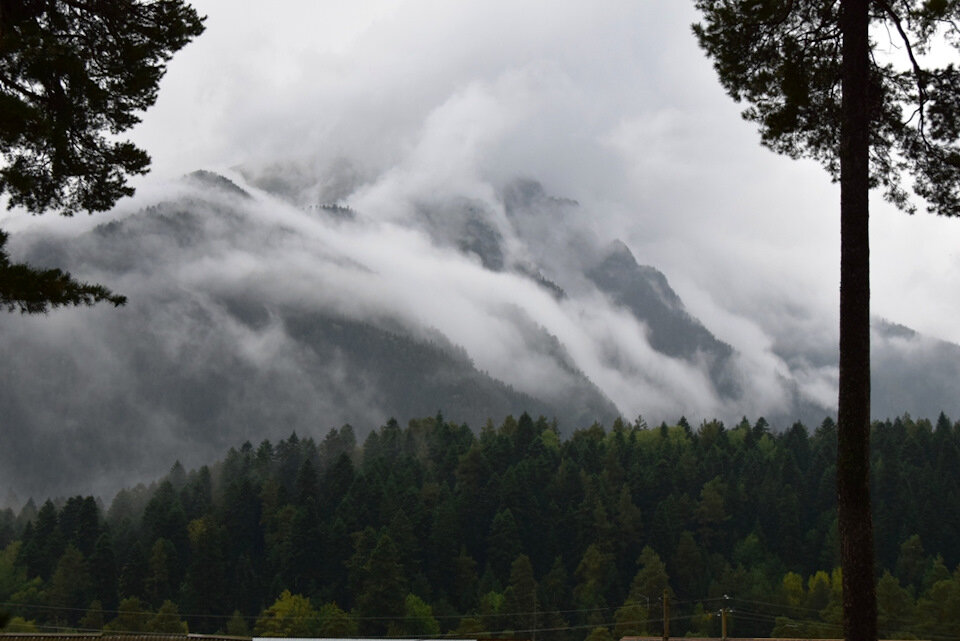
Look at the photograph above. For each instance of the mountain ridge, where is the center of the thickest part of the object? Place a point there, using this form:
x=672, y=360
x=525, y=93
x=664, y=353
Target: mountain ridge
x=252, y=316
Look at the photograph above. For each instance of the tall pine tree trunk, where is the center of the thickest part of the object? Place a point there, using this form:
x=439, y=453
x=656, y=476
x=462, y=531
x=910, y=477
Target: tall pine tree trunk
x=853, y=447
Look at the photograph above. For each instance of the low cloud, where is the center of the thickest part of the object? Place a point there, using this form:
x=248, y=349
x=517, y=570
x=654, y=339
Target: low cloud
x=409, y=111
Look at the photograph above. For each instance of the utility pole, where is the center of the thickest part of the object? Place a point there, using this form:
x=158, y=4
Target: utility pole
x=723, y=618
x=666, y=615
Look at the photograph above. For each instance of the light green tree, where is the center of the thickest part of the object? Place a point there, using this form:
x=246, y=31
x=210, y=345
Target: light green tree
x=12, y=574
x=595, y=572
x=938, y=610
x=469, y=627
x=132, y=616
x=167, y=619
x=651, y=578
x=894, y=607
x=793, y=590
x=418, y=619
x=631, y=619
x=33, y=592
x=599, y=633
x=19, y=624
x=291, y=615
x=335, y=622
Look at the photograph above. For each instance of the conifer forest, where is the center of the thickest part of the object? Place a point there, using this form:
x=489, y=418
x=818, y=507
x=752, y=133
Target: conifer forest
x=434, y=530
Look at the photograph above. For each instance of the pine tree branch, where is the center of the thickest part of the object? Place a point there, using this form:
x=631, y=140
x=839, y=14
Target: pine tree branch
x=918, y=71
x=35, y=291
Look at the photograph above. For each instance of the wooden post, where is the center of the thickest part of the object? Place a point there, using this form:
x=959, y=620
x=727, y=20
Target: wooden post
x=666, y=616
x=723, y=624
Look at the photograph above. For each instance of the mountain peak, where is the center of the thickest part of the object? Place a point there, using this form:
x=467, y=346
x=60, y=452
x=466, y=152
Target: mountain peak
x=214, y=180
x=524, y=193
x=618, y=252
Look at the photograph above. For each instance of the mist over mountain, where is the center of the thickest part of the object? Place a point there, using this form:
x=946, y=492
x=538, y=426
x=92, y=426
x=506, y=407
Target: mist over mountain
x=284, y=300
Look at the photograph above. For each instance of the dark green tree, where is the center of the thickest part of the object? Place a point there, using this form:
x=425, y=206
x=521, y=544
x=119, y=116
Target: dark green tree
x=196, y=496
x=103, y=572
x=554, y=599
x=70, y=589
x=688, y=566
x=80, y=523
x=595, y=574
x=444, y=545
x=464, y=587
x=520, y=597
x=163, y=572
x=92, y=619
x=73, y=75
x=629, y=526
x=817, y=87
x=165, y=518
x=503, y=543
x=205, y=589
x=382, y=592
x=43, y=543
x=236, y=625
x=7, y=527
x=133, y=571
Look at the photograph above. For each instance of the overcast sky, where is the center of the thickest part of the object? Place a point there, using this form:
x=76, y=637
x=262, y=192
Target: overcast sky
x=608, y=102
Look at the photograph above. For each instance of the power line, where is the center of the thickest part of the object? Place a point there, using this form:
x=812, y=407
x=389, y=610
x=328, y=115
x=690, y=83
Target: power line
x=778, y=613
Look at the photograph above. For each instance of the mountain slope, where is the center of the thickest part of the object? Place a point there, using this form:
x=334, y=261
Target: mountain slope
x=671, y=330
x=253, y=315
x=199, y=359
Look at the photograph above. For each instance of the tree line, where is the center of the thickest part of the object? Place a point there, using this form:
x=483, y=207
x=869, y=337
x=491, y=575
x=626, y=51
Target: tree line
x=432, y=529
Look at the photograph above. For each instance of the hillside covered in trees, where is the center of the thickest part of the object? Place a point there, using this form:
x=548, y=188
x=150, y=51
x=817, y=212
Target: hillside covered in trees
x=432, y=529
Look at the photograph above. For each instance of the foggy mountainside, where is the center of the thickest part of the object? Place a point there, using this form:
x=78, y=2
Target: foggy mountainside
x=431, y=528
x=272, y=302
